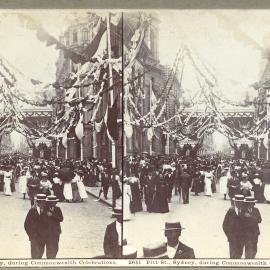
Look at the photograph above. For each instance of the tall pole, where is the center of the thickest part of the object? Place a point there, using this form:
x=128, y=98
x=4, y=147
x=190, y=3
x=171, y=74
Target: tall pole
x=57, y=147
x=150, y=96
x=81, y=141
x=111, y=82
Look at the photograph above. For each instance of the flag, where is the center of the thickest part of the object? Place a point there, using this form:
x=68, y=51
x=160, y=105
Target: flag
x=93, y=46
x=65, y=139
x=110, y=119
x=79, y=128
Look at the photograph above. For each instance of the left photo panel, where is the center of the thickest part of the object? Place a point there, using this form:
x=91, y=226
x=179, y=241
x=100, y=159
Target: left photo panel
x=61, y=134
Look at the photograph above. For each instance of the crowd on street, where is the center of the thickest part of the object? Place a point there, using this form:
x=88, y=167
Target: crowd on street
x=151, y=181
x=66, y=179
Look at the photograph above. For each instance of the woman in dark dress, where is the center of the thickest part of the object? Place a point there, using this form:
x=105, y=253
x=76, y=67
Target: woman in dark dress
x=116, y=191
x=57, y=187
x=258, y=188
x=160, y=198
x=136, y=202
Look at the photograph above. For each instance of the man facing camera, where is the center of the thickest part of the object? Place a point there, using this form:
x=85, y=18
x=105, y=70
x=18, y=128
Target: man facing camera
x=113, y=236
x=175, y=248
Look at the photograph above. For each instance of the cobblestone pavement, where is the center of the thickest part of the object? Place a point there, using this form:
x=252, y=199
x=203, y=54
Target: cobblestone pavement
x=82, y=229
x=202, y=219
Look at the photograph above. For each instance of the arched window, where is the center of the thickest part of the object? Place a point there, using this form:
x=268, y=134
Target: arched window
x=75, y=37
x=85, y=34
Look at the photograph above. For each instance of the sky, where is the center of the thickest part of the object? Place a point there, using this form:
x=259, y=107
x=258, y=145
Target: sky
x=230, y=42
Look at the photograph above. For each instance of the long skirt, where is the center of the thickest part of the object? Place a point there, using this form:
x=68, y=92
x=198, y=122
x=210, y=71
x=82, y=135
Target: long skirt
x=7, y=188
x=223, y=181
x=267, y=192
x=75, y=192
x=82, y=191
x=208, y=187
x=68, y=191
x=259, y=193
x=23, y=184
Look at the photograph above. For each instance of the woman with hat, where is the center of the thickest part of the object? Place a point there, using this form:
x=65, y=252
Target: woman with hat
x=45, y=186
x=58, y=187
x=75, y=190
x=223, y=182
x=116, y=190
x=79, y=175
x=126, y=200
x=23, y=183
x=258, y=188
x=7, y=181
x=245, y=185
x=208, y=179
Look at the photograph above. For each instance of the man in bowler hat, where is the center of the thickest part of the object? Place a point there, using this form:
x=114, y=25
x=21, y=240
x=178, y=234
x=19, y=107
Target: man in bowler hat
x=112, y=244
x=35, y=226
x=175, y=248
x=232, y=227
x=53, y=219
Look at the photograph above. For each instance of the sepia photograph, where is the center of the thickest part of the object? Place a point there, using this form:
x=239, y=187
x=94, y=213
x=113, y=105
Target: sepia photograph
x=61, y=134
x=196, y=134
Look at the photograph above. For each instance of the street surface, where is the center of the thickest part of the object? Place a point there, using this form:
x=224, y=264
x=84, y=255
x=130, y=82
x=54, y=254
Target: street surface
x=82, y=235
x=202, y=219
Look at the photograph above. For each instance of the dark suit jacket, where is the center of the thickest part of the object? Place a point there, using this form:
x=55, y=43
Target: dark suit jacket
x=35, y=225
x=110, y=243
x=185, y=180
x=250, y=225
x=232, y=225
x=184, y=252
x=53, y=228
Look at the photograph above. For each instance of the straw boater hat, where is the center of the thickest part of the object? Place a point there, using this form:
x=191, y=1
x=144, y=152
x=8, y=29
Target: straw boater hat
x=52, y=198
x=129, y=252
x=117, y=212
x=169, y=226
x=250, y=199
x=238, y=198
x=155, y=251
x=40, y=197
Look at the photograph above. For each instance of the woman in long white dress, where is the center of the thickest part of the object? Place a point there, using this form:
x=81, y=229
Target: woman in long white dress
x=23, y=183
x=68, y=192
x=7, y=182
x=208, y=178
x=127, y=199
x=80, y=184
x=223, y=181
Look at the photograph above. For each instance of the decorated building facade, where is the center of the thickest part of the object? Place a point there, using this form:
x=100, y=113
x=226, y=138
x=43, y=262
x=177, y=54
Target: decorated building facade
x=88, y=138
x=147, y=88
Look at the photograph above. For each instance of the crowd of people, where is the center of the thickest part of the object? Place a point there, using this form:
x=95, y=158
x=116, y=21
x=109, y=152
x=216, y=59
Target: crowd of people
x=154, y=179
x=65, y=179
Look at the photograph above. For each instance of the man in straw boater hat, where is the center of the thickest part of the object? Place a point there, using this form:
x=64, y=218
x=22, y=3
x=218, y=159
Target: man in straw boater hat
x=232, y=227
x=35, y=226
x=53, y=229
x=250, y=227
x=112, y=243
x=175, y=248
x=157, y=251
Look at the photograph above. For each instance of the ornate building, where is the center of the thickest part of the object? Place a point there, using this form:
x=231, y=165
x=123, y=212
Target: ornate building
x=150, y=87
x=94, y=143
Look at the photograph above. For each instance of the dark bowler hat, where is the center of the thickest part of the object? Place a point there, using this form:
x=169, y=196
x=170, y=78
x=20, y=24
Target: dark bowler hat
x=52, y=198
x=250, y=199
x=40, y=197
x=238, y=198
x=129, y=252
x=173, y=226
x=117, y=212
x=155, y=251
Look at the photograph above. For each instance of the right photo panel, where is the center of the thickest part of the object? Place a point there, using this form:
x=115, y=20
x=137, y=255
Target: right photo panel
x=196, y=140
